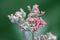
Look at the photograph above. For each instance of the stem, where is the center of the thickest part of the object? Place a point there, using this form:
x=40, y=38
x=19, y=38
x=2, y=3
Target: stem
x=33, y=35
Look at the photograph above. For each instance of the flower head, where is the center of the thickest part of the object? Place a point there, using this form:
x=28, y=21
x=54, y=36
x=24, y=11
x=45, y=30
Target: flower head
x=33, y=20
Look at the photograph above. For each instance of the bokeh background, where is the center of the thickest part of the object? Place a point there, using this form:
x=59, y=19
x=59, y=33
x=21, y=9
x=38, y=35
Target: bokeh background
x=9, y=31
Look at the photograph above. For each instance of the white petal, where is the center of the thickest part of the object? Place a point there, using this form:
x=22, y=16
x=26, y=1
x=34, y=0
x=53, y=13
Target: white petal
x=9, y=16
x=21, y=10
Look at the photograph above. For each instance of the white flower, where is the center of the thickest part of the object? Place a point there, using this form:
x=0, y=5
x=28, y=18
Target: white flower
x=51, y=36
x=23, y=13
x=13, y=18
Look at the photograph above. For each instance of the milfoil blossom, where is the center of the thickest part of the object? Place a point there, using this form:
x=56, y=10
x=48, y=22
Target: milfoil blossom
x=30, y=23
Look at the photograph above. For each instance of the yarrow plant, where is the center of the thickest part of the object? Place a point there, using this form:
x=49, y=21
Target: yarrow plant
x=32, y=23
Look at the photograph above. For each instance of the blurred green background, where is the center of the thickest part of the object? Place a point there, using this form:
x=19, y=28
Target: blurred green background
x=9, y=31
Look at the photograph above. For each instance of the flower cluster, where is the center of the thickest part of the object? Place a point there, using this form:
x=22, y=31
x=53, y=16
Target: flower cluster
x=48, y=36
x=33, y=21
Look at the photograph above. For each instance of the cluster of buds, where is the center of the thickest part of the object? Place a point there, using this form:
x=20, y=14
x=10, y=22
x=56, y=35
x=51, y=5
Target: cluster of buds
x=48, y=36
x=33, y=21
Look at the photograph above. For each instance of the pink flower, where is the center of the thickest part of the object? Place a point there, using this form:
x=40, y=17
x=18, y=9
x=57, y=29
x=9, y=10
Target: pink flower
x=34, y=28
x=36, y=11
x=18, y=14
x=42, y=22
x=30, y=19
x=39, y=23
x=35, y=6
x=36, y=19
x=30, y=14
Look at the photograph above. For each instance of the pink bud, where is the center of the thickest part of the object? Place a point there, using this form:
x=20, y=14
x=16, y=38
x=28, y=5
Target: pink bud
x=42, y=21
x=35, y=6
x=17, y=13
x=31, y=14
